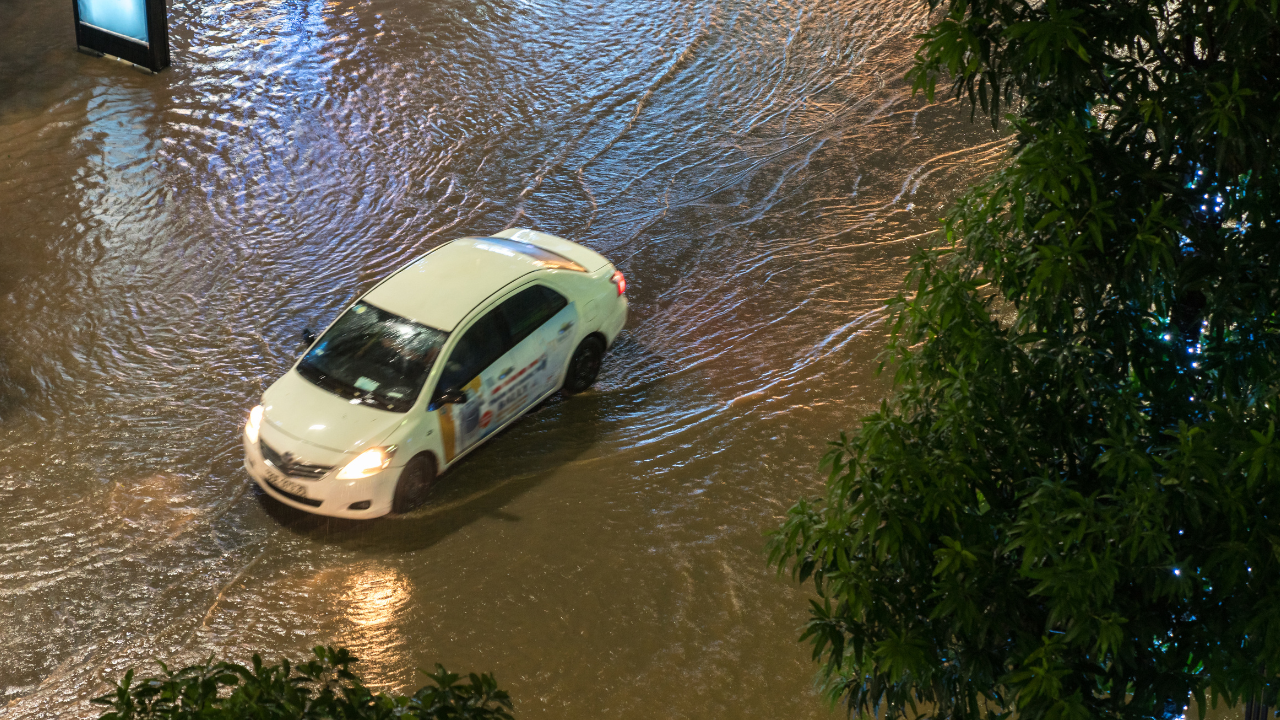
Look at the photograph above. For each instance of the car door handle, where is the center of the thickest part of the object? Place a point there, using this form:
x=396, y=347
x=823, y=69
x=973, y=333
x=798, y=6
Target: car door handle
x=505, y=373
x=565, y=327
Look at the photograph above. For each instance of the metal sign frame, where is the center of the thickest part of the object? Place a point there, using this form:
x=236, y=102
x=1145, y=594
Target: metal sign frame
x=152, y=55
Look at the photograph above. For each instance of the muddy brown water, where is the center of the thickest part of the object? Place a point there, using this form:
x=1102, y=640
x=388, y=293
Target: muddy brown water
x=759, y=171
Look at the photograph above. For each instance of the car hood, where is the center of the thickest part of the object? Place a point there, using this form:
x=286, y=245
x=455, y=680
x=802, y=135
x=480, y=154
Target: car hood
x=305, y=412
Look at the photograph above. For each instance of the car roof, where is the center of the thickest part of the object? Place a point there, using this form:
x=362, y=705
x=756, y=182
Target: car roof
x=440, y=288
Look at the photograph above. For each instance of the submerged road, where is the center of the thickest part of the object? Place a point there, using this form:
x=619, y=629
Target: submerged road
x=758, y=170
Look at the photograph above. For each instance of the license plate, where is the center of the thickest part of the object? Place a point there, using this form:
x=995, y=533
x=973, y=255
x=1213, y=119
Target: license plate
x=285, y=484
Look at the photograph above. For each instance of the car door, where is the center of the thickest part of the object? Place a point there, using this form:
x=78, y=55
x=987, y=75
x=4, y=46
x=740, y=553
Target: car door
x=481, y=347
x=541, y=322
x=505, y=362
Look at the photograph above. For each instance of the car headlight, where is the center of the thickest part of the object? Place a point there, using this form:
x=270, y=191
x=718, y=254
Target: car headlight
x=369, y=462
x=255, y=421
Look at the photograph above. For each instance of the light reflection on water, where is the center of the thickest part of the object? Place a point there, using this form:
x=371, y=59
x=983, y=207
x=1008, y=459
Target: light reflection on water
x=375, y=601
x=760, y=173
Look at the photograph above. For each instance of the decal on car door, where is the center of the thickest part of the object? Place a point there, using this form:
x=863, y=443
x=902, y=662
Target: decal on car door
x=509, y=386
x=453, y=421
x=499, y=394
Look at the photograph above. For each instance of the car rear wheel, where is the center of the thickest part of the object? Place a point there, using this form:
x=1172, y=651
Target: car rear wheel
x=417, y=477
x=584, y=366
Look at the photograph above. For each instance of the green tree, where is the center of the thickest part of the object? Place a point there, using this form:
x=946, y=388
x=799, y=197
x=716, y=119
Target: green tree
x=1069, y=506
x=323, y=688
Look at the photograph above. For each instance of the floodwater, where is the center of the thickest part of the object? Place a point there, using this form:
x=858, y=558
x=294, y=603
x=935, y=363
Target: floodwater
x=758, y=170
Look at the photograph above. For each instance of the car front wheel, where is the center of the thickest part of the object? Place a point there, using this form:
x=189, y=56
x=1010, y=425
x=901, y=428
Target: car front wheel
x=415, y=480
x=584, y=366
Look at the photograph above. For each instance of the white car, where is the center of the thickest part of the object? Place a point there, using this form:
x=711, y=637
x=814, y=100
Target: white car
x=427, y=365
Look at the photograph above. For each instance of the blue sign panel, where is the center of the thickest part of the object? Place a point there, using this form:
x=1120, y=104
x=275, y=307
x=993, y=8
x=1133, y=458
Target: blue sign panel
x=126, y=18
x=132, y=30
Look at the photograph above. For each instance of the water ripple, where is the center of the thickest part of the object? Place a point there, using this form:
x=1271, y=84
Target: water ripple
x=759, y=171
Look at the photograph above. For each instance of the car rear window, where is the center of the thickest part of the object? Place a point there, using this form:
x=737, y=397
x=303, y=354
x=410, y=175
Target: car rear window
x=545, y=258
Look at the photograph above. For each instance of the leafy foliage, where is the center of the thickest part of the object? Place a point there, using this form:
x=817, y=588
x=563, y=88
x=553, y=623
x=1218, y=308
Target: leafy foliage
x=321, y=688
x=1069, y=507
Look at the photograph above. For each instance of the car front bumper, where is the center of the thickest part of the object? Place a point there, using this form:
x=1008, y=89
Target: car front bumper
x=326, y=495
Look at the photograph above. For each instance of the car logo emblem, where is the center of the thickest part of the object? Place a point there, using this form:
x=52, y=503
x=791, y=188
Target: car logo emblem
x=286, y=461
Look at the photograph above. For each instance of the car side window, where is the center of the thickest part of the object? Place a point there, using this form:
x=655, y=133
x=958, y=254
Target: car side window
x=528, y=309
x=483, y=343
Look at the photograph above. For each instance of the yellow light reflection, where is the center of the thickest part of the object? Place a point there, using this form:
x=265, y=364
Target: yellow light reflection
x=375, y=601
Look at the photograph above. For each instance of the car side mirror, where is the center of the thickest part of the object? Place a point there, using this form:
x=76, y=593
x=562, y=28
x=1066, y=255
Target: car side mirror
x=452, y=397
x=308, y=336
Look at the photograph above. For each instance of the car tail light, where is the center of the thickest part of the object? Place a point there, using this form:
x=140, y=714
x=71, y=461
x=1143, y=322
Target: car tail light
x=620, y=280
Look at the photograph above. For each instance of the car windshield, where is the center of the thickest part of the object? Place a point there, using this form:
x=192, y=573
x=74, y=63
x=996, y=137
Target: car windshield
x=375, y=357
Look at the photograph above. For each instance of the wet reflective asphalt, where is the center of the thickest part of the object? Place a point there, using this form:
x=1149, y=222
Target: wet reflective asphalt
x=759, y=171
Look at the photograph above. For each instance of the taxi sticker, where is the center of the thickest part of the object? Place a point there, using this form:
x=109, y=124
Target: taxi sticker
x=491, y=402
